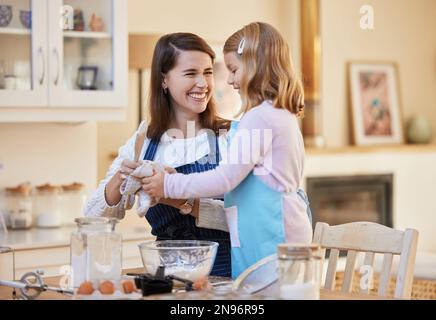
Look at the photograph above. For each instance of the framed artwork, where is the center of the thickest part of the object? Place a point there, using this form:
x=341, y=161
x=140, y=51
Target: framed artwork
x=375, y=104
x=227, y=99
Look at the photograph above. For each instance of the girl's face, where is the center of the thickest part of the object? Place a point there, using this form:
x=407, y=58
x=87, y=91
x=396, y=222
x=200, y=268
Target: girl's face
x=190, y=83
x=234, y=65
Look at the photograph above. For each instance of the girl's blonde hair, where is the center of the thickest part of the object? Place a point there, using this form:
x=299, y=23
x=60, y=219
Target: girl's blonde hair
x=268, y=73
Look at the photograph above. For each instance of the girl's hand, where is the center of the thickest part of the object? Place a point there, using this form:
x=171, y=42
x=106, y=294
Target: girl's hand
x=154, y=186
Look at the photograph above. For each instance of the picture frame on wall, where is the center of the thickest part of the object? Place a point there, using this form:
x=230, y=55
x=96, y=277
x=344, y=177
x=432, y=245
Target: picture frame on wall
x=375, y=103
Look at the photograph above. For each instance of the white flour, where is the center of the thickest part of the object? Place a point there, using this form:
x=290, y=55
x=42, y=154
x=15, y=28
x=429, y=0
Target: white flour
x=188, y=272
x=303, y=291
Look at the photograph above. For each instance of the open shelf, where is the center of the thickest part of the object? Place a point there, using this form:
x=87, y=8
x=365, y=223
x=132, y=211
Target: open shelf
x=373, y=149
x=88, y=35
x=15, y=31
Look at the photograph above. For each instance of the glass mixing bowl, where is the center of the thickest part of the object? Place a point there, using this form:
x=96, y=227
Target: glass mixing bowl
x=188, y=259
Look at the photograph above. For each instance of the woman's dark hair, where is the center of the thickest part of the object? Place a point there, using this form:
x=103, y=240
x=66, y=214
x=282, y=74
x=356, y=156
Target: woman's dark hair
x=164, y=59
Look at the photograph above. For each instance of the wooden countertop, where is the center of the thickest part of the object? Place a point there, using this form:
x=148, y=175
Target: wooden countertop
x=6, y=293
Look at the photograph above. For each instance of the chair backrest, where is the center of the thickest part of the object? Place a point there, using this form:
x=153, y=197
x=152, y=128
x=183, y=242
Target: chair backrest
x=370, y=238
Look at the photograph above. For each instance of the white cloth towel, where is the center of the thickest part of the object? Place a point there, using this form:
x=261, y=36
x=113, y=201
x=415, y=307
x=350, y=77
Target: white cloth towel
x=132, y=184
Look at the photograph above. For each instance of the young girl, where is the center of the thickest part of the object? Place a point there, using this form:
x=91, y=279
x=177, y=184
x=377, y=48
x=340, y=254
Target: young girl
x=262, y=177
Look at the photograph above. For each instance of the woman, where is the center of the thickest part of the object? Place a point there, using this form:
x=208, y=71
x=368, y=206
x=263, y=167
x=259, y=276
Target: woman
x=183, y=133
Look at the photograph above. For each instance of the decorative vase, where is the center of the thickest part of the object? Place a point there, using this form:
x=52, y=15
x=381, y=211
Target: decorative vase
x=419, y=130
x=5, y=15
x=26, y=18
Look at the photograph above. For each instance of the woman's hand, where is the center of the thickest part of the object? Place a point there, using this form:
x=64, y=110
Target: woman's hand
x=127, y=167
x=112, y=190
x=170, y=170
x=154, y=185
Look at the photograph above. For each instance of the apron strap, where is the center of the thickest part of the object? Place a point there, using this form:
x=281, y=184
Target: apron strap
x=305, y=198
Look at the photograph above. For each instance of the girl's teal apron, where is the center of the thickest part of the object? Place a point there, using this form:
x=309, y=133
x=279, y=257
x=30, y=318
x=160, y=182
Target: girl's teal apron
x=255, y=218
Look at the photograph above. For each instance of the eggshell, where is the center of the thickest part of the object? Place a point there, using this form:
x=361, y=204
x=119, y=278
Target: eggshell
x=106, y=287
x=86, y=288
x=128, y=286
x=201, y=284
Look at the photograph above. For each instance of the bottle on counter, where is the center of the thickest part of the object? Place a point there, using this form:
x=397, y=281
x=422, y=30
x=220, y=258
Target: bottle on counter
x=47, y=206
x=73, y=200
x=299, y=271
x=95, y=250
x=19, y=207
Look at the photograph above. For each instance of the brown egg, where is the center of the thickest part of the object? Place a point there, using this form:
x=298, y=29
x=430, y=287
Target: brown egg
x=128, y=286
x=86, y=288
x=201, y=284
x=106, y=287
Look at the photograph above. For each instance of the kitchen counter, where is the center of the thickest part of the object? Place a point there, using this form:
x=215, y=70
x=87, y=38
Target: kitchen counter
x=49, y=249
x=37, y=238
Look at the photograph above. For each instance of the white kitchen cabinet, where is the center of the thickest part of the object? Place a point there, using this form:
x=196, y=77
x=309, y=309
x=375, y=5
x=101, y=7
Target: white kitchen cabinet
x=40, y=65
x=53, y=260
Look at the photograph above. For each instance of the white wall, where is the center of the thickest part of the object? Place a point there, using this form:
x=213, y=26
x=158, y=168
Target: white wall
x=405, y=32
x=48, y=153
x=214, y=20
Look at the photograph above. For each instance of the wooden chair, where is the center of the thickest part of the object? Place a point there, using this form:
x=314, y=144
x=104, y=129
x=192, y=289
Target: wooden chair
x=369, y=238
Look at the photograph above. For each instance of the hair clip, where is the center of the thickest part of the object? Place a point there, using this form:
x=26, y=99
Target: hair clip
x=241, y=46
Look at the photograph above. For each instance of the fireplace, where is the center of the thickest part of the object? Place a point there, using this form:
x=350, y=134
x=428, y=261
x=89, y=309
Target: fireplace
x=344, y=199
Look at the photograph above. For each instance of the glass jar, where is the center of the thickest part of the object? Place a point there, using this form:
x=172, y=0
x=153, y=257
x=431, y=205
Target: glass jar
x=73, y=200
x=299, y=271
x=95, y=250
x=19, y=207
x=47, y=206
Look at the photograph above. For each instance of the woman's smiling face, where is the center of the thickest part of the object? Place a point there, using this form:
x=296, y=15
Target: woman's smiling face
x=190, y=83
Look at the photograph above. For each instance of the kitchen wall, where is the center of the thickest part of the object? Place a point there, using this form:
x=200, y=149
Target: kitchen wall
x=48, y=153
x=405, y=32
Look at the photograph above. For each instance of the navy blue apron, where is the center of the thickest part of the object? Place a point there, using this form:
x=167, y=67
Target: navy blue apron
x=168, y=224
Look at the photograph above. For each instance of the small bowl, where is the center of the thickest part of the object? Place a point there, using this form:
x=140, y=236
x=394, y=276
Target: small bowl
x=187, y=259
x=5, y=15
x=26, y=18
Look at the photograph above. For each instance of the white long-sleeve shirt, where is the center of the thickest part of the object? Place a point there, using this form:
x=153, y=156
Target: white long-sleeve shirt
x=172, y=153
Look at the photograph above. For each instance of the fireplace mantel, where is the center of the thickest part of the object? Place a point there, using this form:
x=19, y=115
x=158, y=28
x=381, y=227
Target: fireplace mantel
x=374, y=149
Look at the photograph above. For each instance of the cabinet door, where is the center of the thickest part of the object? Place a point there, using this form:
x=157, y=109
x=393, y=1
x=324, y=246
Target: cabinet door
x=23, y=53
x=88, y=54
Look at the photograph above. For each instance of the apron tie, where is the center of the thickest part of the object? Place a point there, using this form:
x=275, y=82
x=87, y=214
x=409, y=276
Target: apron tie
x=305, y=198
